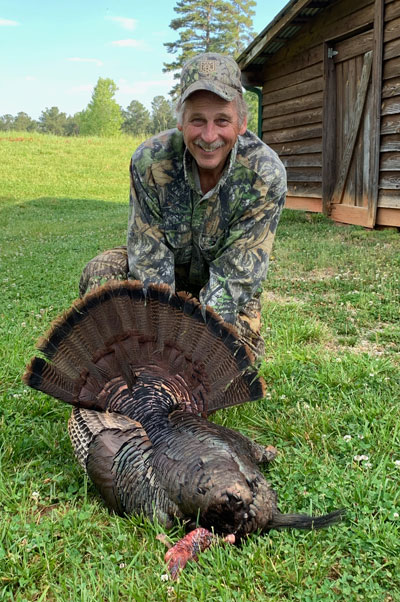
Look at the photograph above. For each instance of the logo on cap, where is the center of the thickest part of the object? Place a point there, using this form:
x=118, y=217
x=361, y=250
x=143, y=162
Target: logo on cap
x=207, y=67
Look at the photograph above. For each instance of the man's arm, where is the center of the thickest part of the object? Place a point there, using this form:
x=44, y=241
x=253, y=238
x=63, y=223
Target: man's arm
x=242, y=264
x=150, y=260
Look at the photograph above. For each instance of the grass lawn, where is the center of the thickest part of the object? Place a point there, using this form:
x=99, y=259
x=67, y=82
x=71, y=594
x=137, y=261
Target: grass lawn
x=332, y=332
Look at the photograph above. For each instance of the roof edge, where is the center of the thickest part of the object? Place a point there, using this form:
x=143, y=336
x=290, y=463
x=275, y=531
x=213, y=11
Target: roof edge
x=288, y=12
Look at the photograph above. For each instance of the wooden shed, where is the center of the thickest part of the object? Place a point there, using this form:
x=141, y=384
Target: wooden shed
x=330, y=77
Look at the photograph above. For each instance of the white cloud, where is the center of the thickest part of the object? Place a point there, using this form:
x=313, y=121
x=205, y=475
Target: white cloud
x=130, y=42
x=125, y=22
x=8, y=23
x=142, y=87
x=78, y=59
x=82, y=88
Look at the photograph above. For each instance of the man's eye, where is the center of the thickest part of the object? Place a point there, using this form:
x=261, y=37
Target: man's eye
x=196, y=121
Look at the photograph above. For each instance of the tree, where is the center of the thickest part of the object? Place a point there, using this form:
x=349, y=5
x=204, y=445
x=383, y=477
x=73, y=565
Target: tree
x=209, y=26
x=23, y=122
x=6, y=122
x=162, y=114
x=52, y=121
x=137, y=119
x=102, y=116
x=251, y=99
x=72, y=126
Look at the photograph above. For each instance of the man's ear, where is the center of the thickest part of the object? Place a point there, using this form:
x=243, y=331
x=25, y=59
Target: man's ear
x=243, y=127
x=179, y=126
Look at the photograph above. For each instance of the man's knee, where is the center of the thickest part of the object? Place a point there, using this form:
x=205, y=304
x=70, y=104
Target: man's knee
x=108, y=265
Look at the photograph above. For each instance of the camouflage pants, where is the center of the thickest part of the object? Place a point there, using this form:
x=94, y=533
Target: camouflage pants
x=113, y=265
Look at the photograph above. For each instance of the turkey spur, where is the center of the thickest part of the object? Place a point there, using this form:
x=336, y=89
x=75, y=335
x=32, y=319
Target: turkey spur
x=144, y=369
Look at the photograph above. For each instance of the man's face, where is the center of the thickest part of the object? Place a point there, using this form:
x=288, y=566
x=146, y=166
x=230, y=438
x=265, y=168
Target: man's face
x=210, y=128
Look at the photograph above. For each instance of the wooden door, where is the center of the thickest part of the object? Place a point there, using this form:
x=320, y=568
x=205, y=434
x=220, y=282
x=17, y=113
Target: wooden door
x=349, y=125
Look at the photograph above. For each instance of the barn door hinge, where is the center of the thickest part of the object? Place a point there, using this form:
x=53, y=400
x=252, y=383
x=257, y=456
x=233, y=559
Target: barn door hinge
x=332, y=53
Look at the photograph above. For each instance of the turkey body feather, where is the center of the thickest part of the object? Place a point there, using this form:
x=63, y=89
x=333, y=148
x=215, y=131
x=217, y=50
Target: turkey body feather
x=144, y=369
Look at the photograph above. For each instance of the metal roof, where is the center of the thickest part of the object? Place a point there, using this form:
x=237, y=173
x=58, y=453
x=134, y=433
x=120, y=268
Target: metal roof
x=283, y=27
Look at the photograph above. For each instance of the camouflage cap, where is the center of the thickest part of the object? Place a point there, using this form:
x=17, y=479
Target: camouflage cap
x=211, y=71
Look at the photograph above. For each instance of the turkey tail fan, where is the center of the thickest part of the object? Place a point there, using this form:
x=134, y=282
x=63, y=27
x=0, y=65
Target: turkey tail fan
x=119, y=328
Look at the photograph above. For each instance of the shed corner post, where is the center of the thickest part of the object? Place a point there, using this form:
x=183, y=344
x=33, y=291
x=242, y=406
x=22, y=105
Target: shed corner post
x=328, y=130
x=377, y=69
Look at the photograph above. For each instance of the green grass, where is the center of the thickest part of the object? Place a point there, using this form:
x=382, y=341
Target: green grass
x=332, y=331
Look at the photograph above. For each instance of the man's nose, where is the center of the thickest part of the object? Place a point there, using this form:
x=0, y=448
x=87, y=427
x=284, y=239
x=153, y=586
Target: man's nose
x=209, y=133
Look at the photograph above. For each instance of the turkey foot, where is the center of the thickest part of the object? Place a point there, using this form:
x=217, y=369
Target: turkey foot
x=270, y=453
x=189, y=548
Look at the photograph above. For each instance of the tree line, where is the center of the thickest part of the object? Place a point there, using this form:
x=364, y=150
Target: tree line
x=223, y=26
x=102, y=117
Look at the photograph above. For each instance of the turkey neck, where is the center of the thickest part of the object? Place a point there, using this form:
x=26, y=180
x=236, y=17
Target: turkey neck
x=150, y=400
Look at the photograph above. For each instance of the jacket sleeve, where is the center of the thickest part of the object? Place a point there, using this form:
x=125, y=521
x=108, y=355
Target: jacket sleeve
x=149, y=258
x=241, y=265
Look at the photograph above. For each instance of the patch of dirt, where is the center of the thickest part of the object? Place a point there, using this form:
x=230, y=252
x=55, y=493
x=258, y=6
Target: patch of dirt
x=271, y=297
x=365, y=345
x=20, y=139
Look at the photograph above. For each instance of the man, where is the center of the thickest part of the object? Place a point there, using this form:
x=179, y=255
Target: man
x=205, y=202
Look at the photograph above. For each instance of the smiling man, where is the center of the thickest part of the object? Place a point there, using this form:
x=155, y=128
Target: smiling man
x=205, y=202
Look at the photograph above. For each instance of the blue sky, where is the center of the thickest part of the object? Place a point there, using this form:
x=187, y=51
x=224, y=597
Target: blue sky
x=52, y=52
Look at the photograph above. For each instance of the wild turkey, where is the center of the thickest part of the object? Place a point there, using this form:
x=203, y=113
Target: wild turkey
x=144, y=369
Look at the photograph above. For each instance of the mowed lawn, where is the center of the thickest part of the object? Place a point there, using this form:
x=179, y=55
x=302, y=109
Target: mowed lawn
x=332, y=332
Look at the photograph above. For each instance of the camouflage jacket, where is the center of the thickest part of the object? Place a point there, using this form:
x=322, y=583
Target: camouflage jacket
x=223, y=238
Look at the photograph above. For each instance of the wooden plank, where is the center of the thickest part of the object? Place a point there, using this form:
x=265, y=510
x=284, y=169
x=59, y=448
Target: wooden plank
x=271, y=31
x=392, y=49
x=338, y=20
x=293, y=120
x=392, y=10
x=304, y=75
x=308, y=102
x=390, y=161
x=354, y=46
x=298, y=148
x=305, y=189
x=391, y=88
x=348, y=214
x=390, y=180
x=389, y=143
x=301, y=61
x=354, y=128
x=308, y=160
x=314, y=85
x=391, y=30
x=388, y=217
x=389, y=198
x=304, y=174
x=390, y=124
x=391, y=106
x=375, y=126
x=391, y=68
x=304, y=203
x=299, y=133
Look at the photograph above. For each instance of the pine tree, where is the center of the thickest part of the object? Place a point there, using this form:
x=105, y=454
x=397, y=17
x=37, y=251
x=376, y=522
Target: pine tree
x=137, y=119
x=23, y=122
x=52, y=121
x=103, y=114
x=222, y=26
x=162, y=114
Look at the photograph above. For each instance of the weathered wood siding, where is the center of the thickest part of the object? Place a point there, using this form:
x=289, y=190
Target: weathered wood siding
x=293, y=97
x=389, y=172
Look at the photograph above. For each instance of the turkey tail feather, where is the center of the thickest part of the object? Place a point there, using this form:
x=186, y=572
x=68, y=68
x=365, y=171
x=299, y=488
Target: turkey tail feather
x=119, y=329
